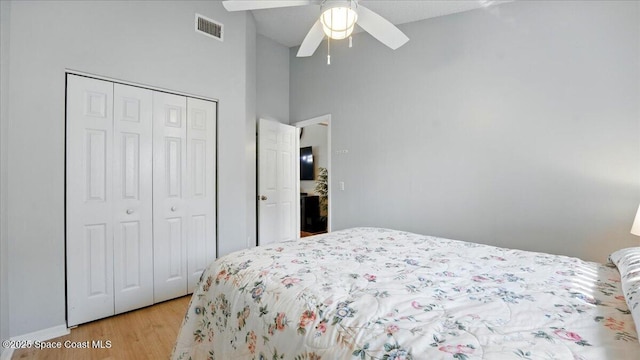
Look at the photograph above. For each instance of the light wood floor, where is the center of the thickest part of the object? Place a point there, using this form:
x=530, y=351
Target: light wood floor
x=148, y=333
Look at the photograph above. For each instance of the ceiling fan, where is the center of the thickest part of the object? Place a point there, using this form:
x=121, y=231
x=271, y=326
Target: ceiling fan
x=337, y=21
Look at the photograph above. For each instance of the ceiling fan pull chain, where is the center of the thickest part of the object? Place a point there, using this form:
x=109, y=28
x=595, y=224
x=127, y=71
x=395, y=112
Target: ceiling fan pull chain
x=329, y=39
x=346, y=24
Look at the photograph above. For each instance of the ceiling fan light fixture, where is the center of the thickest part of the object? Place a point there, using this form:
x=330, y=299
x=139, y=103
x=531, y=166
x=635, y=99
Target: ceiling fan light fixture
x=338, y=22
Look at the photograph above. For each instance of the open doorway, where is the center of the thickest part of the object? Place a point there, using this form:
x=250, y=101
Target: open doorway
x=315, y=175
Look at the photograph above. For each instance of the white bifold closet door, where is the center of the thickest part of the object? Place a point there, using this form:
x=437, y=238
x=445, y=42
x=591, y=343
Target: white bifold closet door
x=109, y=212
x=184, y=192
x=201, y=188
x=132, y=196
x=140, y=196
x=89, y=200
x=169, y=193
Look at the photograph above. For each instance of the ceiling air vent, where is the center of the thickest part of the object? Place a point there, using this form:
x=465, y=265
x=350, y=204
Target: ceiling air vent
x=209, y=27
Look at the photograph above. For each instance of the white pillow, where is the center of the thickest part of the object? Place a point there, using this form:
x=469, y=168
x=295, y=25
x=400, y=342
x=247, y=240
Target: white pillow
x=628, y=263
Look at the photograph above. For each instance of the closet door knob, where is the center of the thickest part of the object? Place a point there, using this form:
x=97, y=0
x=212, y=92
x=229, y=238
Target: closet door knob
x=173, y=208
x=129, y=211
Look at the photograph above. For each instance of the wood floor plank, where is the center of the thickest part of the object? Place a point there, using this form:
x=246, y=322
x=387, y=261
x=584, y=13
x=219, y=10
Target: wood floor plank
x=148, y=333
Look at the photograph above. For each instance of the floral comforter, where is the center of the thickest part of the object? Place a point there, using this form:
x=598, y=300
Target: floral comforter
x=368, y=293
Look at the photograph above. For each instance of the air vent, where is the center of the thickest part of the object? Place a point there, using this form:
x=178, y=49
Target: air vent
x=209, y=27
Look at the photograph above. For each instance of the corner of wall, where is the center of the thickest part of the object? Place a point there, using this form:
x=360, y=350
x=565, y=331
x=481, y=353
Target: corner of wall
x=251, y=217
x=638, y=57
x=291, y=61
x=5, y=20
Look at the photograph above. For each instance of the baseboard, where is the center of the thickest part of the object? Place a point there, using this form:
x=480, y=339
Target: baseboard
x=44, y=334
x=6, y=354
x=40, y=335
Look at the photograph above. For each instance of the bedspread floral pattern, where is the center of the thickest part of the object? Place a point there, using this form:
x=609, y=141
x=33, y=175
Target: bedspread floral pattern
x=370, y=293
x=628, y=263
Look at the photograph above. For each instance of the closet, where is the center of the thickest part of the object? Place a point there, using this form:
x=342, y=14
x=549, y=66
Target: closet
x=140, y=196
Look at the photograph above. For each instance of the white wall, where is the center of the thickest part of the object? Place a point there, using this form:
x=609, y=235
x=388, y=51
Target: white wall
x=516, y=126
x=146, y=42
x=5, y=9
x=272, y=80
x=316, y=136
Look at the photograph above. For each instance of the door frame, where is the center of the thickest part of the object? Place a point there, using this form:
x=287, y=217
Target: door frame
x=320, y=120
x=68, y=71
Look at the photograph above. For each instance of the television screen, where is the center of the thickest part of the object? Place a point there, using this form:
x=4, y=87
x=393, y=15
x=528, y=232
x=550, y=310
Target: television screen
x=306, y=163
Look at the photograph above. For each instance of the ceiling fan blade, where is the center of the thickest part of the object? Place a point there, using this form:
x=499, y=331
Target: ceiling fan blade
x=311, y=41
x=240, y=5
x=380, y=28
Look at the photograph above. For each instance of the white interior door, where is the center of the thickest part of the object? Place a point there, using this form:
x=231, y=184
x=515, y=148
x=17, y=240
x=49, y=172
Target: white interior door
x=89, y=200
x=169, y=189
x=132, y=176
x=278, y=157
x=201, y=188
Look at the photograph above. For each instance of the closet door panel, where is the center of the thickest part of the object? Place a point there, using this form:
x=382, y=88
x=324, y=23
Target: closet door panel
x=169, y=189
x=201, y=187
x=132, y=191
x=89, y=200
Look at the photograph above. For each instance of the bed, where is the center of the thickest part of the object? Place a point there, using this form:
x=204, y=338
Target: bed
x=369, y=293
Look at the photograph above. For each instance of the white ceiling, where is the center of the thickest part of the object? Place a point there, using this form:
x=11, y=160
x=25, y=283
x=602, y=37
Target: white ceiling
x=288, y=26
